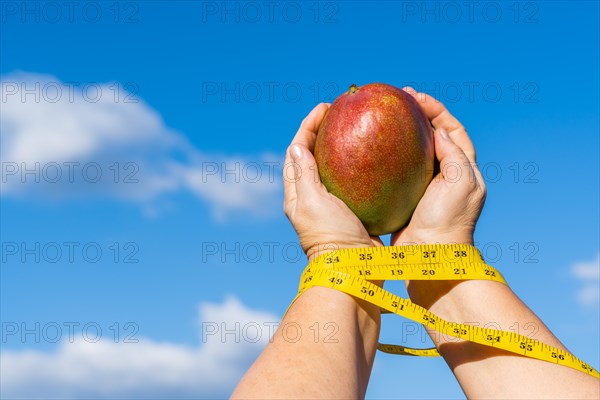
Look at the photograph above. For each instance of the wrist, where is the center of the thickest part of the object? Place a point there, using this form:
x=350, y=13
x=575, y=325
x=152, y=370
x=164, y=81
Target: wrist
x=435, y=236
x=427, y=293
x=320, y=248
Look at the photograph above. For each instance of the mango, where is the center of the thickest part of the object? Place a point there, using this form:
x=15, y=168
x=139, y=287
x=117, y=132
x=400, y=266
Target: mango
x=375, y=152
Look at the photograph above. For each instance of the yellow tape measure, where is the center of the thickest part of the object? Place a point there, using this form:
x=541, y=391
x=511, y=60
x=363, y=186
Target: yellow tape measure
x=350, y=271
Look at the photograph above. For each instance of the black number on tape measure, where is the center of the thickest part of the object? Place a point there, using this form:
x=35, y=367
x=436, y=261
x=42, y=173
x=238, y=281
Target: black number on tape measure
x=366, y=272
x=431, y=320
x=458, y=271
x=559, y=356
x=397, y=272
x=428, y=271
x=492, y=338
x=459, y=331
x=395, y=305
x=335, y=281
x=460, y=253
x=367, y=291
x=397, y=255
x=308, y=279
x=331, y=260
x=364, y=257
x=429, y=254
x=490, y=272
x=586, y=367
x=525, y=346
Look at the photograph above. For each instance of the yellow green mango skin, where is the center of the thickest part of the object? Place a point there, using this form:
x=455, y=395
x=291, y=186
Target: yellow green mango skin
x=375, y=152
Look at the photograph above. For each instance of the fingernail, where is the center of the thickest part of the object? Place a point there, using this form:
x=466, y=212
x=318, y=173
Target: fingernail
x=296, y=152
x=443, y=133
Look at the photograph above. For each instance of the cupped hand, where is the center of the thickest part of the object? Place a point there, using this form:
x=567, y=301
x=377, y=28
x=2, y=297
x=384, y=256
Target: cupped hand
x=452, y=203
x=322, y=221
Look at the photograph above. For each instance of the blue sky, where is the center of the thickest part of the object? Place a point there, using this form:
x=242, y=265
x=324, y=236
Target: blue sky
x=178, y=93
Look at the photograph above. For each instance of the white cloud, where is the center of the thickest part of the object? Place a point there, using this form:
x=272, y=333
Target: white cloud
x=147, y=369
x=588, y=273
x=66, y=134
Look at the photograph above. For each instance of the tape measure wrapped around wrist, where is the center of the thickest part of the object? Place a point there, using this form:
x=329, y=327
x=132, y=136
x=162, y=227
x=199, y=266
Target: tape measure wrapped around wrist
x=350, y=271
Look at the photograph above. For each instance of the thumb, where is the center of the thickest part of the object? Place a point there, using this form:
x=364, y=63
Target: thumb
x=307, y=180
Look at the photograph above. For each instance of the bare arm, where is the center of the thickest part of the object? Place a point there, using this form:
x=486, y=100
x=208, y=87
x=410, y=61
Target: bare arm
x=485, y=372
x=447, y=213
x=325, y=345
x=323, y=349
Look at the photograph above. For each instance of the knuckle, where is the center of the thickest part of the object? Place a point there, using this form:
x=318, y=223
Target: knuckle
x=286, y=210
x=477, y=194
x=483, y=192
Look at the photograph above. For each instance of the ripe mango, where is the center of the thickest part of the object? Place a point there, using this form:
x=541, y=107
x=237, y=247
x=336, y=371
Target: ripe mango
x=375, y=152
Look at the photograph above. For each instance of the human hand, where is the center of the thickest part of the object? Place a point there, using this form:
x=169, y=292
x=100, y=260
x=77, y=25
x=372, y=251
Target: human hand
x=322, y=221
x=452, y=203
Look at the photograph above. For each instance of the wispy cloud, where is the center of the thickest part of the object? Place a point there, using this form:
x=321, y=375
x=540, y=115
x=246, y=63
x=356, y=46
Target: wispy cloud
x=64, y=140
x=147, y=369
x=588, y=272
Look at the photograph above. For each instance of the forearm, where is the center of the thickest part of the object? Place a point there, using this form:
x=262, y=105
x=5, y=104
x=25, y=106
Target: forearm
x=485, y=372
x=324, y=348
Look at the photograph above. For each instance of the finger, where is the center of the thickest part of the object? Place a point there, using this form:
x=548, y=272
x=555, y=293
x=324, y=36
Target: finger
x=453, y=161
x=440, y=117
x=307, y=133
x=307, y=183
x=289, y=188
x=305, y=136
